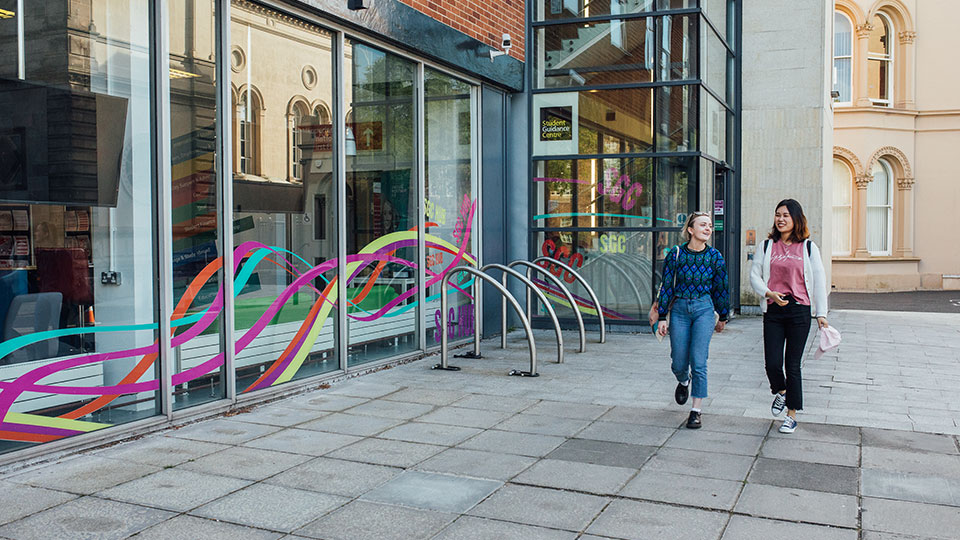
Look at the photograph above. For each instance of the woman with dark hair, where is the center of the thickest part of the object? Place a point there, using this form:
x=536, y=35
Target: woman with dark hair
x=789, y=275
x=694, y=291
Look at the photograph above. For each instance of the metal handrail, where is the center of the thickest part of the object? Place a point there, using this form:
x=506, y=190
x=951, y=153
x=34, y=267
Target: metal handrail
x=530, y=286
x=593, y=296
x=506, y=294
x=566, y=292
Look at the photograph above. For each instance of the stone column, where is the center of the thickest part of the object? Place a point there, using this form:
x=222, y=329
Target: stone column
x=904, y=80
x=859, y=233
x=861, y=90
x=904, y=223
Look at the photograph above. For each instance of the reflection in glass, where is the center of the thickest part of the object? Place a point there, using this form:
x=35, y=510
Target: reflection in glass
x=714, y=67
x=606, y=121
x=879, y=60
x=714, y=124
x=842, y=56
x=676, y=190
x=449, y=208
x=678, y=47
x=382, y=204
x=284, y=201
x=677, y=127
x=78, y=282
x=676, y=4
x=576, y=9
x=610, y=192
x=583, y=54
x=716, y=11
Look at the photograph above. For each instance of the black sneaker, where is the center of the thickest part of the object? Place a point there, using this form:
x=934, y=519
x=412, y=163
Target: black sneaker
x=682, y=393
x=694, y=421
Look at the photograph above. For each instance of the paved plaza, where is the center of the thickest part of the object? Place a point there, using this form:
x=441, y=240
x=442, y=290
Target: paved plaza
x=591, y=449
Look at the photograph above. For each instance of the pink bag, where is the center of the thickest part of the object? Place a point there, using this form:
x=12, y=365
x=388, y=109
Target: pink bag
x=829, y=340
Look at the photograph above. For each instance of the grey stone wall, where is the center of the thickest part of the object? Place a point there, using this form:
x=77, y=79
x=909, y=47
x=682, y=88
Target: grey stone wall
x=787, y=119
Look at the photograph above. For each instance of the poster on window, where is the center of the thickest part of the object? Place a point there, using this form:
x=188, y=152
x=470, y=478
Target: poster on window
x=556, y=120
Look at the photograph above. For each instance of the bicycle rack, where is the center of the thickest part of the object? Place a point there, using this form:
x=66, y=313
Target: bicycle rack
x=626, y=277
x=593, y=296
x=566, y=292
x=476, y=336
x=507, y=271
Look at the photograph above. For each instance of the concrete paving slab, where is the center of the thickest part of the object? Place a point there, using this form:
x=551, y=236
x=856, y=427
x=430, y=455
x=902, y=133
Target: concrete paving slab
x=905, y=440
x=245, y=463
x=650, y=417
x=174, y=489
x=397, y=410
x=363, y=389
x=278, y=415
x=86, y=518
x=302, y=441
x=789, y=503
x=543, y=425
x=430, y=433
x=525, y=444
x=334, y=476
x=362, y=519
x=477, y=464
x=911, y=462
x=713, y=421
x=803, y=475
x=636, y=520
x=681, y=489
x=159, y=451
x=384, y=452
x=495, y=403
x=575, y=476
x=323, y=401
x=704, y=464
x=351, y=424
x=907, y=518
x=192, y=528
x=750, y=528
x=460, y=416
x=607, y=453
x=432, y=491
x=428, y=396
x=84, y=474
x=472, y=528
x=819, y=433
x=930, y=489
x=626, y=433
x=18, y=501
x=223, y=431
x=541, y=507
x=580, y=411
x=275, y=508
x=728, y=443
x=812, y=451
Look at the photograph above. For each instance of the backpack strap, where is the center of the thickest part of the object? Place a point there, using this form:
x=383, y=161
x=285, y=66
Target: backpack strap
x=676, y=267
x=809, y=247
x=766, y=245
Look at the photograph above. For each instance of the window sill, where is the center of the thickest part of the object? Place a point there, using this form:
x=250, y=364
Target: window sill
x=875, y=259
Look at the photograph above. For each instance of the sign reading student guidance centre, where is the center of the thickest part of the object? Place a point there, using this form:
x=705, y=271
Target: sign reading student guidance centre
x=556, y=118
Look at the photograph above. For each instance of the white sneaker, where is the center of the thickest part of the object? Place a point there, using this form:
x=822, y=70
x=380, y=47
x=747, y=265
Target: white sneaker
x=789, y=425
x=779, y=402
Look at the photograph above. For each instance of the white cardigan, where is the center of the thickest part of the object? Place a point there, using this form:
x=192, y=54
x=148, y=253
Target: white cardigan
x=812, y=271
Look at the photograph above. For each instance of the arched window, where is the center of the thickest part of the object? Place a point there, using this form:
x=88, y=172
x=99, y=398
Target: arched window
x=880, y=61
x=880, y=209
x=298, y=123
x=842, y=205
x=247, y=116
x=842, y=56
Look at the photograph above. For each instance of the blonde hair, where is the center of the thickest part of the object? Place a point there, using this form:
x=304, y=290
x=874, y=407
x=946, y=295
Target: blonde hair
x=685, y=233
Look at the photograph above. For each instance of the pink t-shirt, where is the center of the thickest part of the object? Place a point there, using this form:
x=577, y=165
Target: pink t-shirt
x=786, y=271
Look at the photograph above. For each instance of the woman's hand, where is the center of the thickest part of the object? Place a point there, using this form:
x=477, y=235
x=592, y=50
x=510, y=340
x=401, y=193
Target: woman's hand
x=720, y=326
x=822, y=322
x=654, y=314
x=777, y=298
x=662, y=328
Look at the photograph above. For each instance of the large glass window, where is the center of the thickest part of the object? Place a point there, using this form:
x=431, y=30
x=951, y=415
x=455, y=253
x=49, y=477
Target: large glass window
x=714, y=66
x=678, y=47
x=611, y=192
x=382, y=203
x=677, y=112
x=880, y=209
x=593, y=122
x=842, y=56
x=713, y=122
x=78, y=278
x=880, y=61
x=577, y=9
x=842, y=204
x=450, y=208
x=586, y=54
x=285, y=241
x=676, y=190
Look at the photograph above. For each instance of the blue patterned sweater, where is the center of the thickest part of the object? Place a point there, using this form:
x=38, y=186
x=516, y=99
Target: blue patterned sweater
x=699, y=273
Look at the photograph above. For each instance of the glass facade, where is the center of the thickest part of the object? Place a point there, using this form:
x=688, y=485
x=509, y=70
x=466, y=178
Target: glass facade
x=310, y=203
x=630, y=112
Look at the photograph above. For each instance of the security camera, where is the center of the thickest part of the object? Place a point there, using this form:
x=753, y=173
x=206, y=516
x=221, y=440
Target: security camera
x=505, y=41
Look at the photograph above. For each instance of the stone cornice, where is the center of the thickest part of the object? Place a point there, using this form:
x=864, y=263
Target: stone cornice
x=907, y=36
x=863, y=30
x=905, y=183
x=863, y=180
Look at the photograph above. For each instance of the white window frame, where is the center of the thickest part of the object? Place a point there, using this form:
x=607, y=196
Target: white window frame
x=296, y=139
x=849, y=57
x=849, y=206
x=888, y=171
x=886, y=58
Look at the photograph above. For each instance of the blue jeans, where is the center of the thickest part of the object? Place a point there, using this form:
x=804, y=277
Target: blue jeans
x=691, y=327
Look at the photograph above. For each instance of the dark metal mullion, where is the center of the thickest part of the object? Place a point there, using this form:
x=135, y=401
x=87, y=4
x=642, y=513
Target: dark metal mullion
x=714, y=28
x=614, y=86
x=723, y=102
x=691, y=153
x=614, y=17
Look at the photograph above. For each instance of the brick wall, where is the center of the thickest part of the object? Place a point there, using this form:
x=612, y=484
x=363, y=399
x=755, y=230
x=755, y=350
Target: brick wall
x=485, y=20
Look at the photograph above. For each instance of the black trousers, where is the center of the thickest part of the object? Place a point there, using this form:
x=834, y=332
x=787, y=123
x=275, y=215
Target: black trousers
x=785, y=331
